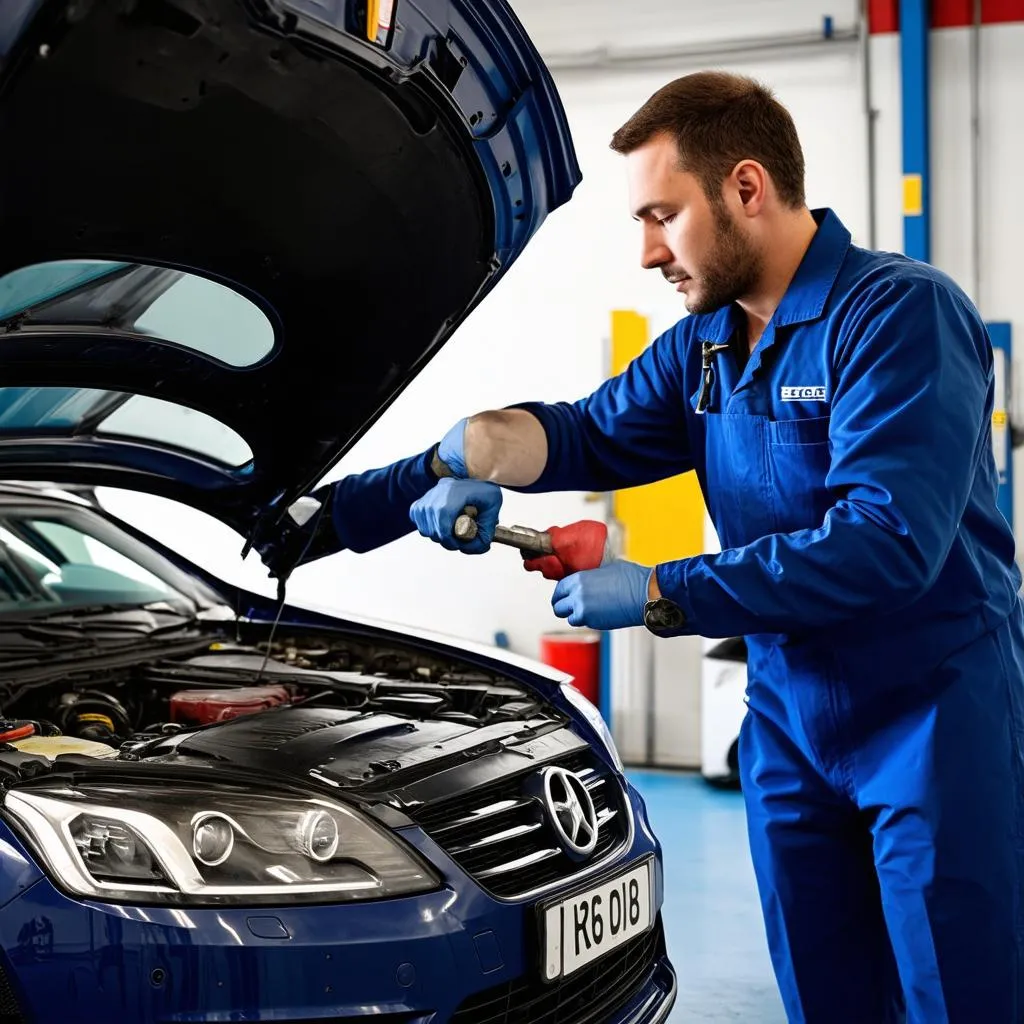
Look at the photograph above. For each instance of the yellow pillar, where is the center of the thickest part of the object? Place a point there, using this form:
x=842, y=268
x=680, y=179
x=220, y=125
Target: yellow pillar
x=664, y=520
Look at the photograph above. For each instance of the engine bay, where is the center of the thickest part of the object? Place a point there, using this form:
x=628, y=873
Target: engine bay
x=164, y=707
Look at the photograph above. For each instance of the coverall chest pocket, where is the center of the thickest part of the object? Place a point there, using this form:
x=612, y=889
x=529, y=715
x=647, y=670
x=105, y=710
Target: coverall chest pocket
x=738, y=479
x=799, y=457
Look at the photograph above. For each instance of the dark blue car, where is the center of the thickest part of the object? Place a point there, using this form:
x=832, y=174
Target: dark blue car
x=232, y=231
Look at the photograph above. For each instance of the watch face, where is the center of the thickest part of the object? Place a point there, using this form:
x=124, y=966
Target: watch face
x=664, y=614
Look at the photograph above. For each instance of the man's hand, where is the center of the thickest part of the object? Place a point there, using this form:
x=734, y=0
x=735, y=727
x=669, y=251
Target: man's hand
x=607, y=598
x=435, y=513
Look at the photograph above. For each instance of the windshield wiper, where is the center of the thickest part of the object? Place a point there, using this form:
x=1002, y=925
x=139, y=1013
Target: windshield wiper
x=105, y=608
x=26, y=638
x=109, y=618
x=108, y=608
x=31, y=670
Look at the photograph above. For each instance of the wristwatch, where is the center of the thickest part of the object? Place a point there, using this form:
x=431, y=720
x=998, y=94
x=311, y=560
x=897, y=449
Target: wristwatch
x=663, y=616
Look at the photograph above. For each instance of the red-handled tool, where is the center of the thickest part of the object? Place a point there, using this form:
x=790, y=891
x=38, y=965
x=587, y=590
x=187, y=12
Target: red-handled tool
x=554, y=553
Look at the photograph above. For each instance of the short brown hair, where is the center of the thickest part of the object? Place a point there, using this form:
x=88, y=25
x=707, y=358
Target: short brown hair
x=717, y=120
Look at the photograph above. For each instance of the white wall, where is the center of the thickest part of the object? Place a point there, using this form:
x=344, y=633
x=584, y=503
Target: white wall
x=584, y=26
x=1001, y=152
x=541, y=334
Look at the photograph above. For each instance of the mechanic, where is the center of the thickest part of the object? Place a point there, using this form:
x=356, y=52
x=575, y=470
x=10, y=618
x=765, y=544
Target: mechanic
x=836, y=405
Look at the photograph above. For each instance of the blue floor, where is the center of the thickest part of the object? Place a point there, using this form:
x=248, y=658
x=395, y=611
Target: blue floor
x=712, y=917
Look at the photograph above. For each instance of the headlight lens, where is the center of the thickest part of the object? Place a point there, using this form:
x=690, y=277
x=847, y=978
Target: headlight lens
x=177, y=845
x=213, y=838
x=319, y=836
x=596, y=722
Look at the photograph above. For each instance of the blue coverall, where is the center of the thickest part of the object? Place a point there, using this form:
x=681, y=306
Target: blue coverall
x=848, y=470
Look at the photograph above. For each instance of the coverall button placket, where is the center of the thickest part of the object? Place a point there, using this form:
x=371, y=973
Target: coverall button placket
x=757, y=367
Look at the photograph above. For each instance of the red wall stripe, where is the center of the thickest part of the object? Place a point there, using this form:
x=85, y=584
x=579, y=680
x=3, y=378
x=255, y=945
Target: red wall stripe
x=884, y=15
x=957, y=13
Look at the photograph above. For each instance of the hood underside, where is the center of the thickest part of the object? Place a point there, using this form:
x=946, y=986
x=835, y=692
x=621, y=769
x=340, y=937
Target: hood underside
x=337, y=196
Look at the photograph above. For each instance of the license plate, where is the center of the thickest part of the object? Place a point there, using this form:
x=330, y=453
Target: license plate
x=584, y=927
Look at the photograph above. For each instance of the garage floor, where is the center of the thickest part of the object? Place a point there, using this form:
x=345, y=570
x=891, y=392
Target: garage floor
x=713, y=920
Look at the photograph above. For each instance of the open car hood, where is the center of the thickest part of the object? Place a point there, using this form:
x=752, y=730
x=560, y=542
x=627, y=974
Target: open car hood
x=234, y=230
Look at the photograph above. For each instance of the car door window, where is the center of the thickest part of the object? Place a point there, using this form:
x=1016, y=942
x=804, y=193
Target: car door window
x=47, y=561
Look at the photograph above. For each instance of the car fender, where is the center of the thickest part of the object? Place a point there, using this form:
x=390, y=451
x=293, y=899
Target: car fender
x=18, y=870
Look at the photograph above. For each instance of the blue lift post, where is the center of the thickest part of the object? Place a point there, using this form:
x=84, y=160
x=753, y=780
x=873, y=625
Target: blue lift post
x=917, y=241
x=1002, y=442
x=914, y=25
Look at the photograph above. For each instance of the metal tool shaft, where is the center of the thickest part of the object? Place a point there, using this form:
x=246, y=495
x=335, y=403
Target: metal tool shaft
x=521, y=537
x=524, y=538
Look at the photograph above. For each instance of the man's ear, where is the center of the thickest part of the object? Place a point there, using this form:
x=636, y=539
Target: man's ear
x=749, y=180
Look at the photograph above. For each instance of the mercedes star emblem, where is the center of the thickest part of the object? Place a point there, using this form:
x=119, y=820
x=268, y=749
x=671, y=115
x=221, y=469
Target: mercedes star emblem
x=571, y=810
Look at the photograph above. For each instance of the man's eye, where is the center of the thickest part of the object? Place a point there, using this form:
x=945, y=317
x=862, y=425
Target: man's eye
x=667, y=219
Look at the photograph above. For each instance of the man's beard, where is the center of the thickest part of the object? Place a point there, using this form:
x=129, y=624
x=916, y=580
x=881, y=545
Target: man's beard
x=731, y=270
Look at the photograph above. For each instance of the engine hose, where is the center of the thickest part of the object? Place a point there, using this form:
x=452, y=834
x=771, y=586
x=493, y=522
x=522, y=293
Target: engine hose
x=19, y=732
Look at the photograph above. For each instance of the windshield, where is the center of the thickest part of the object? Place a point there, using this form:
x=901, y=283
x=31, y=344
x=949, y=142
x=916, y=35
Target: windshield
x=159, y=305
x=88, y=412
x=156, y=303
x=50, y=562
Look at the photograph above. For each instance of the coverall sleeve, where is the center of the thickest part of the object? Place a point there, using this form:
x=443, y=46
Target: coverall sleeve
x=630, y=431
x=909, y=425
x=372, y=508
x=365, y=510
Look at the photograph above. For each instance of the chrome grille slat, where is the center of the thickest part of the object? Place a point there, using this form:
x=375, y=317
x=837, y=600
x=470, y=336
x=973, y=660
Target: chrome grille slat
x=501, y=835
x=482, y=814
x=520, y=862
x=497, y=837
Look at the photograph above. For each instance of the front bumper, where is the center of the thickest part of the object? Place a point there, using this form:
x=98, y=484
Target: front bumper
x=455, y=954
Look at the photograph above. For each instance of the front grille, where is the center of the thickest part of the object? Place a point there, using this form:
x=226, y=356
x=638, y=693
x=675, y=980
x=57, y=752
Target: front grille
x=592, y=994
x=500, y=833
x=373, y=1018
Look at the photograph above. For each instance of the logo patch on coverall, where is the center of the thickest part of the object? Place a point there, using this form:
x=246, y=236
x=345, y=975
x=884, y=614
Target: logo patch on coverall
x=803, y=394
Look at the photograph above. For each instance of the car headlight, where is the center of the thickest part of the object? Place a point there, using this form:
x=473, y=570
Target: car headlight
x=594, y=720
x=179, y=845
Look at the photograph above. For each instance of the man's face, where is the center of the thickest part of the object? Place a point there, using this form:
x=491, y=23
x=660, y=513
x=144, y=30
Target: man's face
x=698, y=246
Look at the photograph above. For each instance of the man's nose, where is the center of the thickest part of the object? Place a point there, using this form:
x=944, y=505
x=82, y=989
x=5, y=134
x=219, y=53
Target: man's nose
x=654, y=251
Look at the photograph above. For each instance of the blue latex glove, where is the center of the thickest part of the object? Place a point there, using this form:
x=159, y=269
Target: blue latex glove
x=451, y=450
x=607, y=598
x=435, y=513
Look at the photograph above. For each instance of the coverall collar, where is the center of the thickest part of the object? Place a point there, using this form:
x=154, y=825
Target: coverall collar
x=807, y=293
x=814, y=279
x=803, y=301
